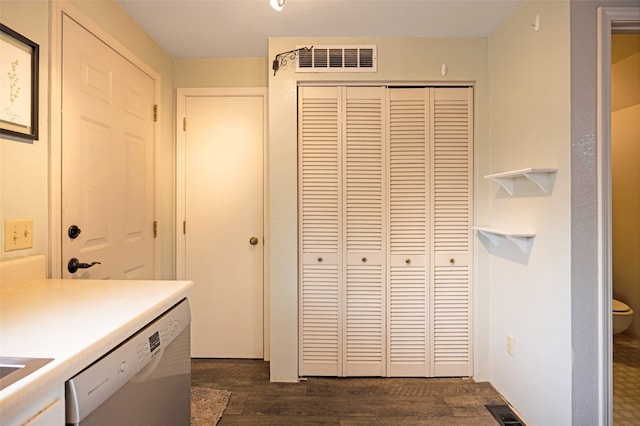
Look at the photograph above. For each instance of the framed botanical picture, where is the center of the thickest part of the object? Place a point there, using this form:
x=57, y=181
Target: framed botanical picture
x=18, y=85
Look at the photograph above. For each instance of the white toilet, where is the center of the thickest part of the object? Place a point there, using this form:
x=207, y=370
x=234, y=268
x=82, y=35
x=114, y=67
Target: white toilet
x=622, y=316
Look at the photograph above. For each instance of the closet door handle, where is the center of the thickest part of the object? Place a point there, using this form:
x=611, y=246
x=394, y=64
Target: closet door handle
x=320, y=259
x=364, y=260
x=407, y=261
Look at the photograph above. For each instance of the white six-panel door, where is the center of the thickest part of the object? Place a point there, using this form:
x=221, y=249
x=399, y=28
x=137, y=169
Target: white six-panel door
x=107, y=159
x=385, y=208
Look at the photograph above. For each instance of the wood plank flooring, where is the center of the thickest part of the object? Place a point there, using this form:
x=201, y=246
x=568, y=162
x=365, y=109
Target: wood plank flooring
x=343, y=401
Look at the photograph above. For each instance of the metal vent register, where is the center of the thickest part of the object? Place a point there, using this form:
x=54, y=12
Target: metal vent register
x=351, y=58
x=504, y=415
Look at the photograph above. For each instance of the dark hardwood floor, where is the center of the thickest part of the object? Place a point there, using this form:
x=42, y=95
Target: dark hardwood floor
x=343, y=401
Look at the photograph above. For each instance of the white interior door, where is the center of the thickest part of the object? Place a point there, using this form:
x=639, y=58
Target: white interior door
x=223, y=245
x=107, y=160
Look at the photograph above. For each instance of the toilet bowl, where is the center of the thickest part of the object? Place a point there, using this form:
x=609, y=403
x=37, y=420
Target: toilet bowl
x=622, y=316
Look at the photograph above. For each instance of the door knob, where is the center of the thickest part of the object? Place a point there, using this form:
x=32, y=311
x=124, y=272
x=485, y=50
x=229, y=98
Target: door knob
x=74, y=264
x=253, y=241
x=74, y=231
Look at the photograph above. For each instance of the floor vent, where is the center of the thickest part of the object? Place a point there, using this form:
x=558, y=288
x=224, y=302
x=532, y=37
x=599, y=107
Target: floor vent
x=504, y=415
x=349, y=58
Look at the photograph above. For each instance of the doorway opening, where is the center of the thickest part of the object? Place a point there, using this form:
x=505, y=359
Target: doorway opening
x=614, y=108
x=625, y=155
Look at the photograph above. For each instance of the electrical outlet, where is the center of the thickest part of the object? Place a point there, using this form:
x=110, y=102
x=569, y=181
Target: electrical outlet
x=510, y=343
x=18, y=234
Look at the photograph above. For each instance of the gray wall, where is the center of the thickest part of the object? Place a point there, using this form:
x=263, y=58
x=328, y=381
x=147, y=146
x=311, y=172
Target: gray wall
x=585, y=301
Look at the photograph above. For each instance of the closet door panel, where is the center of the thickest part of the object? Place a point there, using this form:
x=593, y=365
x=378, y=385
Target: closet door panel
x=452, y=201
x=365, y=340
x=408, y=306
x=365, y=345
x=320, y=229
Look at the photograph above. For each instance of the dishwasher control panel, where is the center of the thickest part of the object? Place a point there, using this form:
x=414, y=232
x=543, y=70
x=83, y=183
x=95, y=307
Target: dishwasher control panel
x=95, y=384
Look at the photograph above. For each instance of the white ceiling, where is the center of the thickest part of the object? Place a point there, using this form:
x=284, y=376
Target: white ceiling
x=241, y=28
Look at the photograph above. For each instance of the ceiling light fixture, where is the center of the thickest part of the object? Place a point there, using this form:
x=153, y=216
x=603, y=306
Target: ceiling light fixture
x=277, y=4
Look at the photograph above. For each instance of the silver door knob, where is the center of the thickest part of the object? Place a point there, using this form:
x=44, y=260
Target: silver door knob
x=253, y=241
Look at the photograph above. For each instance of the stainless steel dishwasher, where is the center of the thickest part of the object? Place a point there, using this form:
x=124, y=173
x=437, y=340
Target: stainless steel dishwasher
x=146, y=380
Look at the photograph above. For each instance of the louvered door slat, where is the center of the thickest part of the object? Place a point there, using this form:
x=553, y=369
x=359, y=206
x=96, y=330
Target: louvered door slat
x=364, y=232
x=320, y=231
x=451, y=320
x=408, y=207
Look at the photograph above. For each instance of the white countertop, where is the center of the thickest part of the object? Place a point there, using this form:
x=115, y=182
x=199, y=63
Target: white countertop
x=74, y=322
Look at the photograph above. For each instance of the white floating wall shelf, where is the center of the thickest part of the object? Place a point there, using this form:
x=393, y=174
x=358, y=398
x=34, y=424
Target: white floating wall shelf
x=522, y=240
x=541, y=177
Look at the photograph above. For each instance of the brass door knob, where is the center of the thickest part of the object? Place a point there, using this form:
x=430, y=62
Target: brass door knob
x=253, y=241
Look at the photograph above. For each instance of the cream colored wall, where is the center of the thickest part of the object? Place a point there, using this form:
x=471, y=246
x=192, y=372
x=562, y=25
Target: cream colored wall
x=399, y=59
x=625, y=173
x=24, y=171
x=531, y=293
x=226, y=72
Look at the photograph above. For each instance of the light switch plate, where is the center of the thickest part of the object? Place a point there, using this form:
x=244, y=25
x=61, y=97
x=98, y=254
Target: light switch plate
x=18, y=234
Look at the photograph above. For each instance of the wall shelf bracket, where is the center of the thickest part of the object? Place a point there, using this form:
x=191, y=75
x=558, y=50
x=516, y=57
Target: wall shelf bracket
x=523, y=241
x=541, y=177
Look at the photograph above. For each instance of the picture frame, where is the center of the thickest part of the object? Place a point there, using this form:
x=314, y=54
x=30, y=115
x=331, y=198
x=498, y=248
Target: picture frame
x=19, y=59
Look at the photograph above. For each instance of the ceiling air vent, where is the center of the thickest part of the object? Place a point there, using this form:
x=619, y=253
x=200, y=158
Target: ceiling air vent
x=352, y=58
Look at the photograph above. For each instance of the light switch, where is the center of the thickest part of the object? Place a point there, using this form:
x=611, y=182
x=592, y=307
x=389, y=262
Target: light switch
x=18, y=234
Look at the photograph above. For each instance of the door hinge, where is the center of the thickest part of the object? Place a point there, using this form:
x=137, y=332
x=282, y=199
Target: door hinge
x=184, y=227
x=184, y=124
x=155, y=229
x=155, y=113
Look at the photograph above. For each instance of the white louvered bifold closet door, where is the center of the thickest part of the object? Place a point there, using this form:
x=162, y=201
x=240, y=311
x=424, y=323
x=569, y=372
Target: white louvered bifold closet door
x=451, y=172
x=385, y=231
x=408, y=232
x=364, y=219
x=320, y=230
